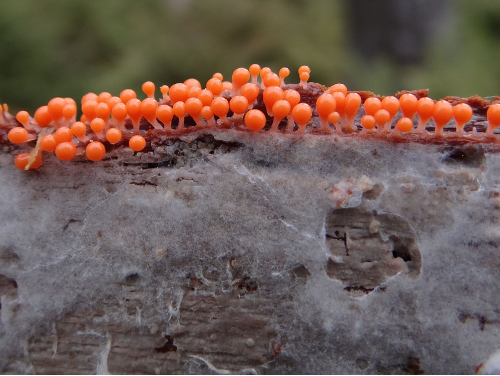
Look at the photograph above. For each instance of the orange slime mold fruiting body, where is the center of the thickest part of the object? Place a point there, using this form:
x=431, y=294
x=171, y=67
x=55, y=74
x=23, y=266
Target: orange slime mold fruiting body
x=113, y=135
x=127, y=95
x=95, y=151
x=425, y=109
x=79, y=129
x=192, y=82
x=215, y=86
x=88, y=97
x=254, y=72
x=134, y=111
x=280, y=109
x=368, y=122
x=103, y=111
x=206, y=97
x=179, y=111
x=284, y=73
x=63, y=134
x=220, y=108
x=48, y=143
x=164, y=91
x=240, y=77
x=89, y=108
x=408, y=103
x=338, y=88
x=193, y=107
x=391, y=105
x=372, y=105
x=137, y=143
x=403, y=125
x=165, y=114
x=272, y=79
x=462, y=113
x=325, y=105
x=293, y=98
x=255, y=120
x=244, y=104
x=271, y=95
x=148, y=108
x=239, y=105
x=19, y=135
x=208, y=115
x=22, y=161
x=304, y=74
x=493, y=116
x=69, y=113
x=302, y=115
x=24, y=118
x=149, y=89
x=382, y=117
x=334, y=118
x=97, y=125
x=352, y=103
x=65, y=151
x=263, y=73
x=193, y=92
x=442, y=114
x=119, y=113
x=43, y=117
x=103, y=97
x=250, y=92
x=218, y=75
x=178, y=93
x=55, y=107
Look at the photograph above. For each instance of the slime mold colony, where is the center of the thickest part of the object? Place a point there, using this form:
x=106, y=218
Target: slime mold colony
x=268, y=105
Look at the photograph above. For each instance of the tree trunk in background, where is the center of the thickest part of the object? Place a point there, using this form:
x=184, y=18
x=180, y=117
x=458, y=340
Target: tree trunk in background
x=399, y=30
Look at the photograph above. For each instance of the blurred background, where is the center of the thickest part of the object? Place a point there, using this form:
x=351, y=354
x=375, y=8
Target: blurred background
x=67, y=48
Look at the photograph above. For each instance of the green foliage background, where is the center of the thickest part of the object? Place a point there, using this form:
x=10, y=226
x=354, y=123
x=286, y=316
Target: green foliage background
x=67, y=48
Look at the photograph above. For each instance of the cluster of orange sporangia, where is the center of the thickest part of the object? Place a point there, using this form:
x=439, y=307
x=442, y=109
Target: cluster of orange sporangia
x=254, y=98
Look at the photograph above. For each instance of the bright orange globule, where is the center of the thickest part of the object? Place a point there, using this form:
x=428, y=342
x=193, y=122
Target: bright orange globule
x=372, y=105
x=22, y=160
x=325, y=105
x=42, y=116
x=302, y=113
x=404, y=124
x=408, y=103
x=127, y=95
x=238, y=104
x=79, y=129
x=164, y=113
x=113, y=135
x=48, y=143
x=443, y=112
x=63, y=134
x=18, y=135
x=95, y=151
x=368, y=122
x=66, y=151
x=220, y=106
x=255, y=120
x=137, y=143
